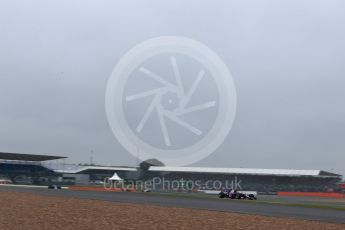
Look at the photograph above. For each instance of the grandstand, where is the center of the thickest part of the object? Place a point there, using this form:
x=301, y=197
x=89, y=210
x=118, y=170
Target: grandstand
x=35, y=169
x=28, y=169
x=262, y=180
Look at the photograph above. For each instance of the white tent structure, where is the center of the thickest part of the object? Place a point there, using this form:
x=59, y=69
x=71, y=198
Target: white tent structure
x=115, y=177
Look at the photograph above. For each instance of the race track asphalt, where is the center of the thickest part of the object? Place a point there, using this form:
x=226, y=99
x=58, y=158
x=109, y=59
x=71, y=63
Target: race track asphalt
x=224, y=205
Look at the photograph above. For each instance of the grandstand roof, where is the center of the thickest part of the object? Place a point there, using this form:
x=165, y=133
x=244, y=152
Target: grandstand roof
x=80, y=169
x=27, y=157
x=248, y=171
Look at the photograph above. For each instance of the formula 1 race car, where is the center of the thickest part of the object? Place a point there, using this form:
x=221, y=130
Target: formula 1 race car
x=53, y=186
x=234, y=194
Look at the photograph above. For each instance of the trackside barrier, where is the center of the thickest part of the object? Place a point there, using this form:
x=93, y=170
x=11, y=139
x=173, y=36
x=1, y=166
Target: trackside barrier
x=316, y=194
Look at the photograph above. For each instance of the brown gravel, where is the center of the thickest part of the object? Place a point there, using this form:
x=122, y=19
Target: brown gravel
x=29, y=211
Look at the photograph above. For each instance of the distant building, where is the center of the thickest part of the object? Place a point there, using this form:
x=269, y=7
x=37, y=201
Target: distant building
x=262, y=180
x=81, y=174
x=36, y=169
x=28, y=169
x=33, y=169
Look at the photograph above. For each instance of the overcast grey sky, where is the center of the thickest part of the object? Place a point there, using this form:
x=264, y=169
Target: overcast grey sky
x=287, y=59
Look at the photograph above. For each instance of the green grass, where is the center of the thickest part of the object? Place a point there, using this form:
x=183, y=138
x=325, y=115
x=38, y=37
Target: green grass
x=309, y=205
